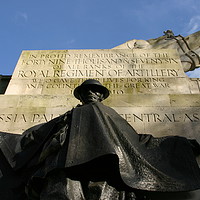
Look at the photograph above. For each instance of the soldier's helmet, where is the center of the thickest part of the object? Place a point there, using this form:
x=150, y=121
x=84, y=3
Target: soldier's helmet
x=93, y=84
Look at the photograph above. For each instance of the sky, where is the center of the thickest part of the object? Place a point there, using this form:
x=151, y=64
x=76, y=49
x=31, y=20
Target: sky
x=88, y=24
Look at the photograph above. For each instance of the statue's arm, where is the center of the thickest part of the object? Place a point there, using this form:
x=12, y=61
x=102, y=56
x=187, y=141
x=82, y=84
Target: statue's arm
x=37, y=143
x=42, y=132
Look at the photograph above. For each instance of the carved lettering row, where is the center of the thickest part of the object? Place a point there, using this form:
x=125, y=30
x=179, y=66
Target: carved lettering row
x=113, y=84
x=109, y=86
x=130, y=117
x=94, y=54
x=162, y=118
x=101, y=73
x=34, y=118
x=97, y=60
x=99, y=63
x=114, y=88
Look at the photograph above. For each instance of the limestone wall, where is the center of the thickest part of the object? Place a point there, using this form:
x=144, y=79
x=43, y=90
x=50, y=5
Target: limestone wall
x=148, y=88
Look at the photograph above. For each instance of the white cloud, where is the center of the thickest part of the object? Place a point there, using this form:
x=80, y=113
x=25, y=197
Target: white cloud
x=71, y=41
x=194, y=74
x=21, y=17
x=193, y=25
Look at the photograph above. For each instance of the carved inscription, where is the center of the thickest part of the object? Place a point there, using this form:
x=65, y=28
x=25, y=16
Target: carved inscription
x=143, y=120
x=98, y=73
x=20, y=118
x=162, y=117
x=115, y=85
x=121, y=71
x=88, y=65
x=192, y=117
x=96, y=59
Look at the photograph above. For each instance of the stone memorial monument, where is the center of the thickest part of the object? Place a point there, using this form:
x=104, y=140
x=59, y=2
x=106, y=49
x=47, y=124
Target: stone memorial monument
x=146, y=80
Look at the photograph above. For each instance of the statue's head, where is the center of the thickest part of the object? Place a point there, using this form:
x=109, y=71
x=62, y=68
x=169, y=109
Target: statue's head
x=91, y=90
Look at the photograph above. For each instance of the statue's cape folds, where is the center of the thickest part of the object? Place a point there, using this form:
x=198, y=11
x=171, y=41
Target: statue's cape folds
x=93, y=141
x=145, y=162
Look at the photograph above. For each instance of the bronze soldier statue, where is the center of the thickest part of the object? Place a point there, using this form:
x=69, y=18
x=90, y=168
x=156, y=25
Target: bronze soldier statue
x=92, y=153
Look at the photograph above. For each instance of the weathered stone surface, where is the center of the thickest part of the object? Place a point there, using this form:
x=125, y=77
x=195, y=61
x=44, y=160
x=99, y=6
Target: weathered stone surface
x=122, y=71
x=148, y=88
x=18, y=113
x=159, y=115
x=195, y=85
